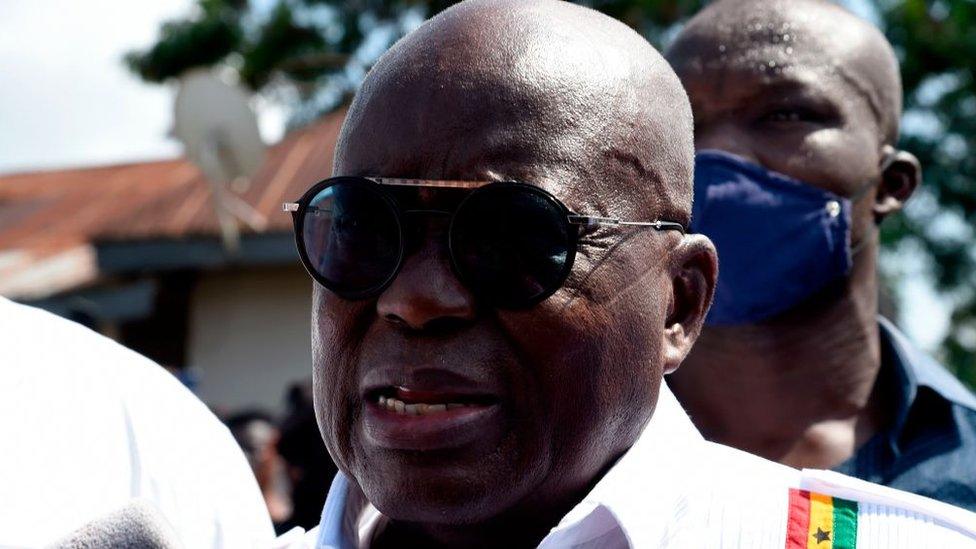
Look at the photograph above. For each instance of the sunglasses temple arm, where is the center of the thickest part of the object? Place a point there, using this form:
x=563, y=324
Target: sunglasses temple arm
x=656, y=225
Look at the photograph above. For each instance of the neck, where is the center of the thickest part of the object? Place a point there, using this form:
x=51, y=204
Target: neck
x=799, y=390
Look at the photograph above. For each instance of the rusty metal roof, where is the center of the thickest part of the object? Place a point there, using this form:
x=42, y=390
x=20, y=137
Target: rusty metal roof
x=46, y=215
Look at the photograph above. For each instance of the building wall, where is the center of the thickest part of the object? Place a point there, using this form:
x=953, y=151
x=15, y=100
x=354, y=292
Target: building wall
x=249, y=336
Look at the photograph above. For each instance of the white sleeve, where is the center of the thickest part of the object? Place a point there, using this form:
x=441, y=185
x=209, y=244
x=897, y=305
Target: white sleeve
x=855, y=489
x=88, y=425
x=192, y=468
x=887, y=517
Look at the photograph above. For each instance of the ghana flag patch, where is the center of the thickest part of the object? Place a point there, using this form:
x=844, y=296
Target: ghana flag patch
x=818, y=521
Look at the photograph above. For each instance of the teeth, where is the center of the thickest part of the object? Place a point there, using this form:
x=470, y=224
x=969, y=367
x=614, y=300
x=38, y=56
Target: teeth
x=420, y=409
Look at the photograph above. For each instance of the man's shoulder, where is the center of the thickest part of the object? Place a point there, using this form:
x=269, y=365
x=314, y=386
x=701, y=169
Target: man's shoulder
x=925, y=370
x=46, y=360
x=35, y=340
x=878, y=516
x=740, y=472
x=932, y=374
x=63, y=386
x=36, y=345
x=763, y=504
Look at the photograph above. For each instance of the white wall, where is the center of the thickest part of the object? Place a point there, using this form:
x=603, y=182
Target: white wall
x=249, y=336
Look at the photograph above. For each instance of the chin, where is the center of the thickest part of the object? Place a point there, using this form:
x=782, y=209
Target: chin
x=442, y=489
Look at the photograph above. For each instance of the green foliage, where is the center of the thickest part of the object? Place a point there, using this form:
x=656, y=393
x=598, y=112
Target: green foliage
x=321, y=49
x=311, y=45
x=198, y=41
x=278, y=43
x=652, y=18
x=936, y=43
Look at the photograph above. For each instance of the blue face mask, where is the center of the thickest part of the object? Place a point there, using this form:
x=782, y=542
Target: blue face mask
x=779, y=240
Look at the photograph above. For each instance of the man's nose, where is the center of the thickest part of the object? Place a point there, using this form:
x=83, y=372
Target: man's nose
x=426, y=295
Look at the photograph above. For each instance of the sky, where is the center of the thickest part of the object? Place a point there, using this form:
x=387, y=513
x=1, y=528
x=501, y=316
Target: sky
x=66, y=100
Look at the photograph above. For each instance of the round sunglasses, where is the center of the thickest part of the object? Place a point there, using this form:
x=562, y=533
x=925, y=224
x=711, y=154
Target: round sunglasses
x=511, y=243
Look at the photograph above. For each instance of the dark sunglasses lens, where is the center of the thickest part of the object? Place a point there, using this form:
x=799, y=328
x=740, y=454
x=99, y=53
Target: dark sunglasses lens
x=511, y=245
x=352, y=239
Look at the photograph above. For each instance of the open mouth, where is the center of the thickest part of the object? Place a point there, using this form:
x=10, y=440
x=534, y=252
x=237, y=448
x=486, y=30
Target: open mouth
x=407, y=419
x=406, y=402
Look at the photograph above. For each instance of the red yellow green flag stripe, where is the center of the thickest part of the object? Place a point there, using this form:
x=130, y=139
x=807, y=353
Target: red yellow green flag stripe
x=818, y=521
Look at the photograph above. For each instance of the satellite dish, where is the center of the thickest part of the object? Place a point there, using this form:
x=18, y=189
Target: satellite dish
x=219, y=132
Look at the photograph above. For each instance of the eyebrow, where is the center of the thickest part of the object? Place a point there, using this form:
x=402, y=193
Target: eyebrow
x=849, y=79
x=798, y=87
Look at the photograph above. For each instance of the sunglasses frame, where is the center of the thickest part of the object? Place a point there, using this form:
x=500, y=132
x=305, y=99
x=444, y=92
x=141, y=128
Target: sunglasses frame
x=572, y=230
x=574, y=223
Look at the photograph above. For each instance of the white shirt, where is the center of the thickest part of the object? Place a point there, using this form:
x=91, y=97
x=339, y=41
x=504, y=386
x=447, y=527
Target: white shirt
x=86, y=425
x=674, y=489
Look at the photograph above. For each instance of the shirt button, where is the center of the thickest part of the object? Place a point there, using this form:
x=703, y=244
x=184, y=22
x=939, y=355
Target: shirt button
x=833, y=208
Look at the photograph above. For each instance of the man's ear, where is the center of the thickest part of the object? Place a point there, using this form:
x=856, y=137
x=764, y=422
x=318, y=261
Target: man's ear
x=901, y=174
x=694, y=272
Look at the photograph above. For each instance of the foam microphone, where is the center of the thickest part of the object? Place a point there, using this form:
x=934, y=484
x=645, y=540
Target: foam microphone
x=137, y=525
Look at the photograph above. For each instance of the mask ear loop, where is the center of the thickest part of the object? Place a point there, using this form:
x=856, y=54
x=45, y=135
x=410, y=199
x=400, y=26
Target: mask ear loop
x=889, y=158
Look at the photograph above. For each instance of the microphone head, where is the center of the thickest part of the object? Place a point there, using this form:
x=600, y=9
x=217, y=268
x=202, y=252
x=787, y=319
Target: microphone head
x=138, y=525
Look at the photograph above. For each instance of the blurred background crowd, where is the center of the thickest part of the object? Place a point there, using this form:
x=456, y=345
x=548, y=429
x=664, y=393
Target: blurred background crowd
x=115, y=216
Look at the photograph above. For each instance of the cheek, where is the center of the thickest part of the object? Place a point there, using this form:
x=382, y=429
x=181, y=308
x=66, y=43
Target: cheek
x=839, y=161
x=337, y=327
x=598, y=363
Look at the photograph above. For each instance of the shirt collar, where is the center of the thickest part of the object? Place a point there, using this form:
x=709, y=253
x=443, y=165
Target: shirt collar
x=619, y=503
x=616, y=509
x=332, y=531
x=910, y=370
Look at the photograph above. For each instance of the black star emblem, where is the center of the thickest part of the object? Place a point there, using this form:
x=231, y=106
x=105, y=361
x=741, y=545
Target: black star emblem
x=822, y=536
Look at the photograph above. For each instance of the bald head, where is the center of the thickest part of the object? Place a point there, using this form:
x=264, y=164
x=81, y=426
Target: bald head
x=812, y=39
x=501, y=88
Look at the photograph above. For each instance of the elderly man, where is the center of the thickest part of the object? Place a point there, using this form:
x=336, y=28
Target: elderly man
x=803, y=100
x=502, y=281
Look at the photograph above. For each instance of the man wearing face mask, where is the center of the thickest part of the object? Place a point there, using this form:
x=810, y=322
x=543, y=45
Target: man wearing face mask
x=796, y=107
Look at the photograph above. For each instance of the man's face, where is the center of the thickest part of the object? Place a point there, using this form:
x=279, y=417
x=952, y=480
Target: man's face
x=793, y=89
x=551, y=393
